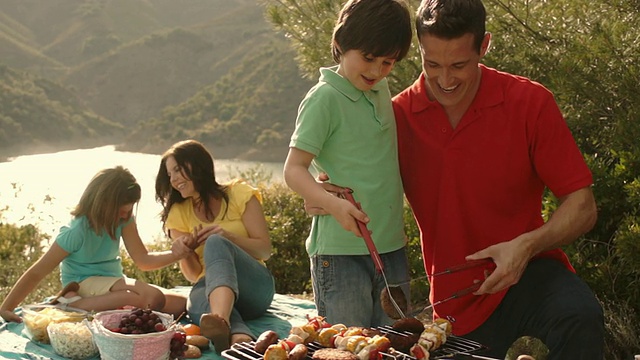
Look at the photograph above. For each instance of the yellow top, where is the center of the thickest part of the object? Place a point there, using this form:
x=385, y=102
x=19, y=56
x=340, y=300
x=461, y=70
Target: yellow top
x=183, y=218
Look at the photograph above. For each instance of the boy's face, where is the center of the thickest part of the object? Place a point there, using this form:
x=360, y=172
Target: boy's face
x=364, y=71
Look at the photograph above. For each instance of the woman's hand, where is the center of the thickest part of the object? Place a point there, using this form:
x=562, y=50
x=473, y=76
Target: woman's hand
x=10, y=316
x=204, y=232
x=191, y=239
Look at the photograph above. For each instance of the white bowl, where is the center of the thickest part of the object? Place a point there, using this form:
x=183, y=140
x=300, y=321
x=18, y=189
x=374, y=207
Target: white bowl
x=37, y=317
x=72, y=340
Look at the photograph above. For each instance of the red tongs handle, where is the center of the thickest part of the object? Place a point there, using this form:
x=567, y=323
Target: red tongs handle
x=347, y=194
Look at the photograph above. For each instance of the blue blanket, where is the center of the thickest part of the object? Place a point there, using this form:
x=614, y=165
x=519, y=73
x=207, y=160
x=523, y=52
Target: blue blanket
x=284, y=313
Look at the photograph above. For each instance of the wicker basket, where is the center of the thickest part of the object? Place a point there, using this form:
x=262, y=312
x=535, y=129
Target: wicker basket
x=116, y=346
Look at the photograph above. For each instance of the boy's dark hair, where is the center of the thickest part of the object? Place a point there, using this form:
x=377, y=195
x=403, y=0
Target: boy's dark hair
x=107, y=191
x=451, y=19
x=375, y=27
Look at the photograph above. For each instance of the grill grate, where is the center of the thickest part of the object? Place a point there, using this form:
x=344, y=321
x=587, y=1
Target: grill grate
x=454, y=345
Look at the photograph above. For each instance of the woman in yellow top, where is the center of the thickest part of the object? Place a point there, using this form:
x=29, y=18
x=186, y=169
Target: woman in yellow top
x=226, y=226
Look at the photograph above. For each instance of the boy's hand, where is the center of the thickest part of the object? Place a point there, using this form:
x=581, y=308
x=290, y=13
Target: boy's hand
x=344, y=212
x=322, y=179
x=347, y=215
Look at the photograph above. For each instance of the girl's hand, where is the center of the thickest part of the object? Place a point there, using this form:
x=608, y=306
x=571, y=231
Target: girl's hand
x=10, y=316
x=190, y=240
x=179, y=247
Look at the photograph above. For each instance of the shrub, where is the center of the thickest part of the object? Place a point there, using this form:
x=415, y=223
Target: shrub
x=19, y=249
x=167, y=277
x=289, y=227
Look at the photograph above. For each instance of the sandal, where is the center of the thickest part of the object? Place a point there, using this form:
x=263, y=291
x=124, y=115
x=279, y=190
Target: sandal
x=216, y=329
x=59, y=297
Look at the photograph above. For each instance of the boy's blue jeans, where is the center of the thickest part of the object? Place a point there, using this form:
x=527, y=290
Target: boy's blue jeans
x=552, y=304
x=347, y=288
x=228, y=265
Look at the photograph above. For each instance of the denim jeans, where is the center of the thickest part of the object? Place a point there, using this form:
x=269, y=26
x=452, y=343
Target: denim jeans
x=347, y=288
x=228, y=265
x=552, y=304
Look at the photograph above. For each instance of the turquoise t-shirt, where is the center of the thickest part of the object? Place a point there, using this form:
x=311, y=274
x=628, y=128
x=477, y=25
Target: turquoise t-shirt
x=353, y=137
x=90, y=254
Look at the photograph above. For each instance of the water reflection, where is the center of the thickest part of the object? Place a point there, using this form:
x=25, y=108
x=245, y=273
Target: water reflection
x=42, y=189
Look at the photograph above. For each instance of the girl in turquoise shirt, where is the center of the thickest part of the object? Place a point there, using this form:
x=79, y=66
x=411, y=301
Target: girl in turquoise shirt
x=88, y=252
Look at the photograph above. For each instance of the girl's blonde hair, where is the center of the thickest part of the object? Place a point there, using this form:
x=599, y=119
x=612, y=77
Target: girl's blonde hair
x=107, y=191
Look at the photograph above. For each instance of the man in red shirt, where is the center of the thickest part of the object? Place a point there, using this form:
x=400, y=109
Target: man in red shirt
x=477, y=149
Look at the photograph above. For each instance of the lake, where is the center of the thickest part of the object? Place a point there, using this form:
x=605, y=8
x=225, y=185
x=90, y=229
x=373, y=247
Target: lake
x=42, y=189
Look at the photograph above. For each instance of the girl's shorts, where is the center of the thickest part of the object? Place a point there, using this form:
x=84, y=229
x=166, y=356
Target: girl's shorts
x=98, y=285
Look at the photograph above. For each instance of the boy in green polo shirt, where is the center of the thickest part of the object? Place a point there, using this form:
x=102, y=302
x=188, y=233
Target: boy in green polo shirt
x=346, y=129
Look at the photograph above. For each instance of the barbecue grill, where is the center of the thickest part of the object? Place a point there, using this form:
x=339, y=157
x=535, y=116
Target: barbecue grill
x=454, y=345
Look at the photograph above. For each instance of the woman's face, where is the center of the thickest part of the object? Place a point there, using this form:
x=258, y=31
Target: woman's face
x=125, y=211
x=178, y=179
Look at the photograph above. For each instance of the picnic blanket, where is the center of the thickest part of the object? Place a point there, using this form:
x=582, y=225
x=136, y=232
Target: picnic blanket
x=285, y=312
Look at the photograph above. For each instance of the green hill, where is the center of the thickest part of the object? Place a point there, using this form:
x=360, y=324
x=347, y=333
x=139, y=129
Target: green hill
x=36, y=114
x=249, y=113
x=130, y=61
x=135, y=81
x=139, y=79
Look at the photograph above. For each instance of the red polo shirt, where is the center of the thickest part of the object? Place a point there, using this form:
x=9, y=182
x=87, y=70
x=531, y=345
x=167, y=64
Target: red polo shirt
x=482, y=182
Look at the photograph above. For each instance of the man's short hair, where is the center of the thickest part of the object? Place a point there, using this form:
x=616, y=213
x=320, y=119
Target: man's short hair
x=451, y=19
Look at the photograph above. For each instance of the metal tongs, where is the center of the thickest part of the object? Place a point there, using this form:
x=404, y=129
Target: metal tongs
x=468, y=290
x=347, y=194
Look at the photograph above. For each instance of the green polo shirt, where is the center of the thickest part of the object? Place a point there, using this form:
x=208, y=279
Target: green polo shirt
x=353, y=137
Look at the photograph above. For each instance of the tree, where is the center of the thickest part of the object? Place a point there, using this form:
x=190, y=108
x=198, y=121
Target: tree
x=308, y=24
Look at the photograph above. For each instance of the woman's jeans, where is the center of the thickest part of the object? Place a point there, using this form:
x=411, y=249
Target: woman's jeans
x=228, y=265
x=552, y=304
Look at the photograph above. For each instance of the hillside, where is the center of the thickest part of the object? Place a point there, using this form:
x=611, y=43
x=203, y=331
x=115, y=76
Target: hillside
x=38, y=114
x=255, y=104
x=137, y=80
x=144, y=76
x=133, y=62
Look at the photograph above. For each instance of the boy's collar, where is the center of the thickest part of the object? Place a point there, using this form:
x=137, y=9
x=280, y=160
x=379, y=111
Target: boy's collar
x=331, y=77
